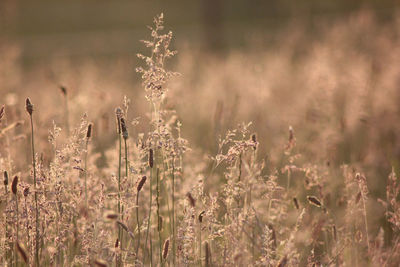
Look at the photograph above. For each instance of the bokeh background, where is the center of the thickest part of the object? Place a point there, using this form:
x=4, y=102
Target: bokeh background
x=330, y=69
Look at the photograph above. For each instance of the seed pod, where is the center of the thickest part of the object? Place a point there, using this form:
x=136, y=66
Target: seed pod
x=14, y=185
x=201, y=216
x=165, y=249
x=141, y=183
x=315, y=201
x=89, y=131
x=116, y=243
x=296, y=203
x=151, y=159
x=29, y=106
x=5, y=178
x=191, y=200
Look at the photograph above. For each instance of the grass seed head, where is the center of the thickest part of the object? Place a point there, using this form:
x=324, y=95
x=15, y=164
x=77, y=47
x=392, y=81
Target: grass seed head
x=5, y=178
x=141, y=183
x=29, y=106
x=124, y=129
x=165, y=249
x=89, y=131
x=14, y=185
x=314, y=200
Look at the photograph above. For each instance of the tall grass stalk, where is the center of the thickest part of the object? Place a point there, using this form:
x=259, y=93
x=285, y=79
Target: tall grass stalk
x=158, y=214
x=29, y=109
x=139, y=187
x=88, y=135
x=173, y=213
x=151, y=162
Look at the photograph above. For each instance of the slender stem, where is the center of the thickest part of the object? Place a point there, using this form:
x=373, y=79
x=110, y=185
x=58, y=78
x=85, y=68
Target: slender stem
x=86, y=154
x=173, y=211
x=149, y=218
x=119, y=193
x=36, y=198
x=17, y=229
x=138, y=224
x=158, y=215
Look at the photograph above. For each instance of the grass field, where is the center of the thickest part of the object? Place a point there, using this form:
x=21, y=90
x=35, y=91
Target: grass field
x=285, y=155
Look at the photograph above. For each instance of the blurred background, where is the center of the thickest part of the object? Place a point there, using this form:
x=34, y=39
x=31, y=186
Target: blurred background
x=328, y=68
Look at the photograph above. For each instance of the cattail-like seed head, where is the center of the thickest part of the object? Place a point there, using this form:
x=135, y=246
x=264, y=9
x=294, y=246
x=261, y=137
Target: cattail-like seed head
x=22, y=252
x=63, y=90
x=254, y=140
x=296, y=203
x=116, y=243
x=141, y=183
x=5, y=178
x=314, y=200
x=151, y=158
x=112, y=216
x=100, y=263
x=123, y=226
x=165, y=249
x=283, y=262
x=26, y=191
x=2, y=112
x=14, y=185
x=29, y=106
x=201, y=215
x=119, y=114
x=124, y=129
x=192, y=201
x=89, y=131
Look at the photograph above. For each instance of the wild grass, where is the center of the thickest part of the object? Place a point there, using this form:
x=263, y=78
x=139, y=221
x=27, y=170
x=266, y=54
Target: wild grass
x=145, y=197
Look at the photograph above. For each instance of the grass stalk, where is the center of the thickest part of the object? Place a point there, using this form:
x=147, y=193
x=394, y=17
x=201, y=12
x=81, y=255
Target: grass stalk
x=29, y=108
x=158, y=214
